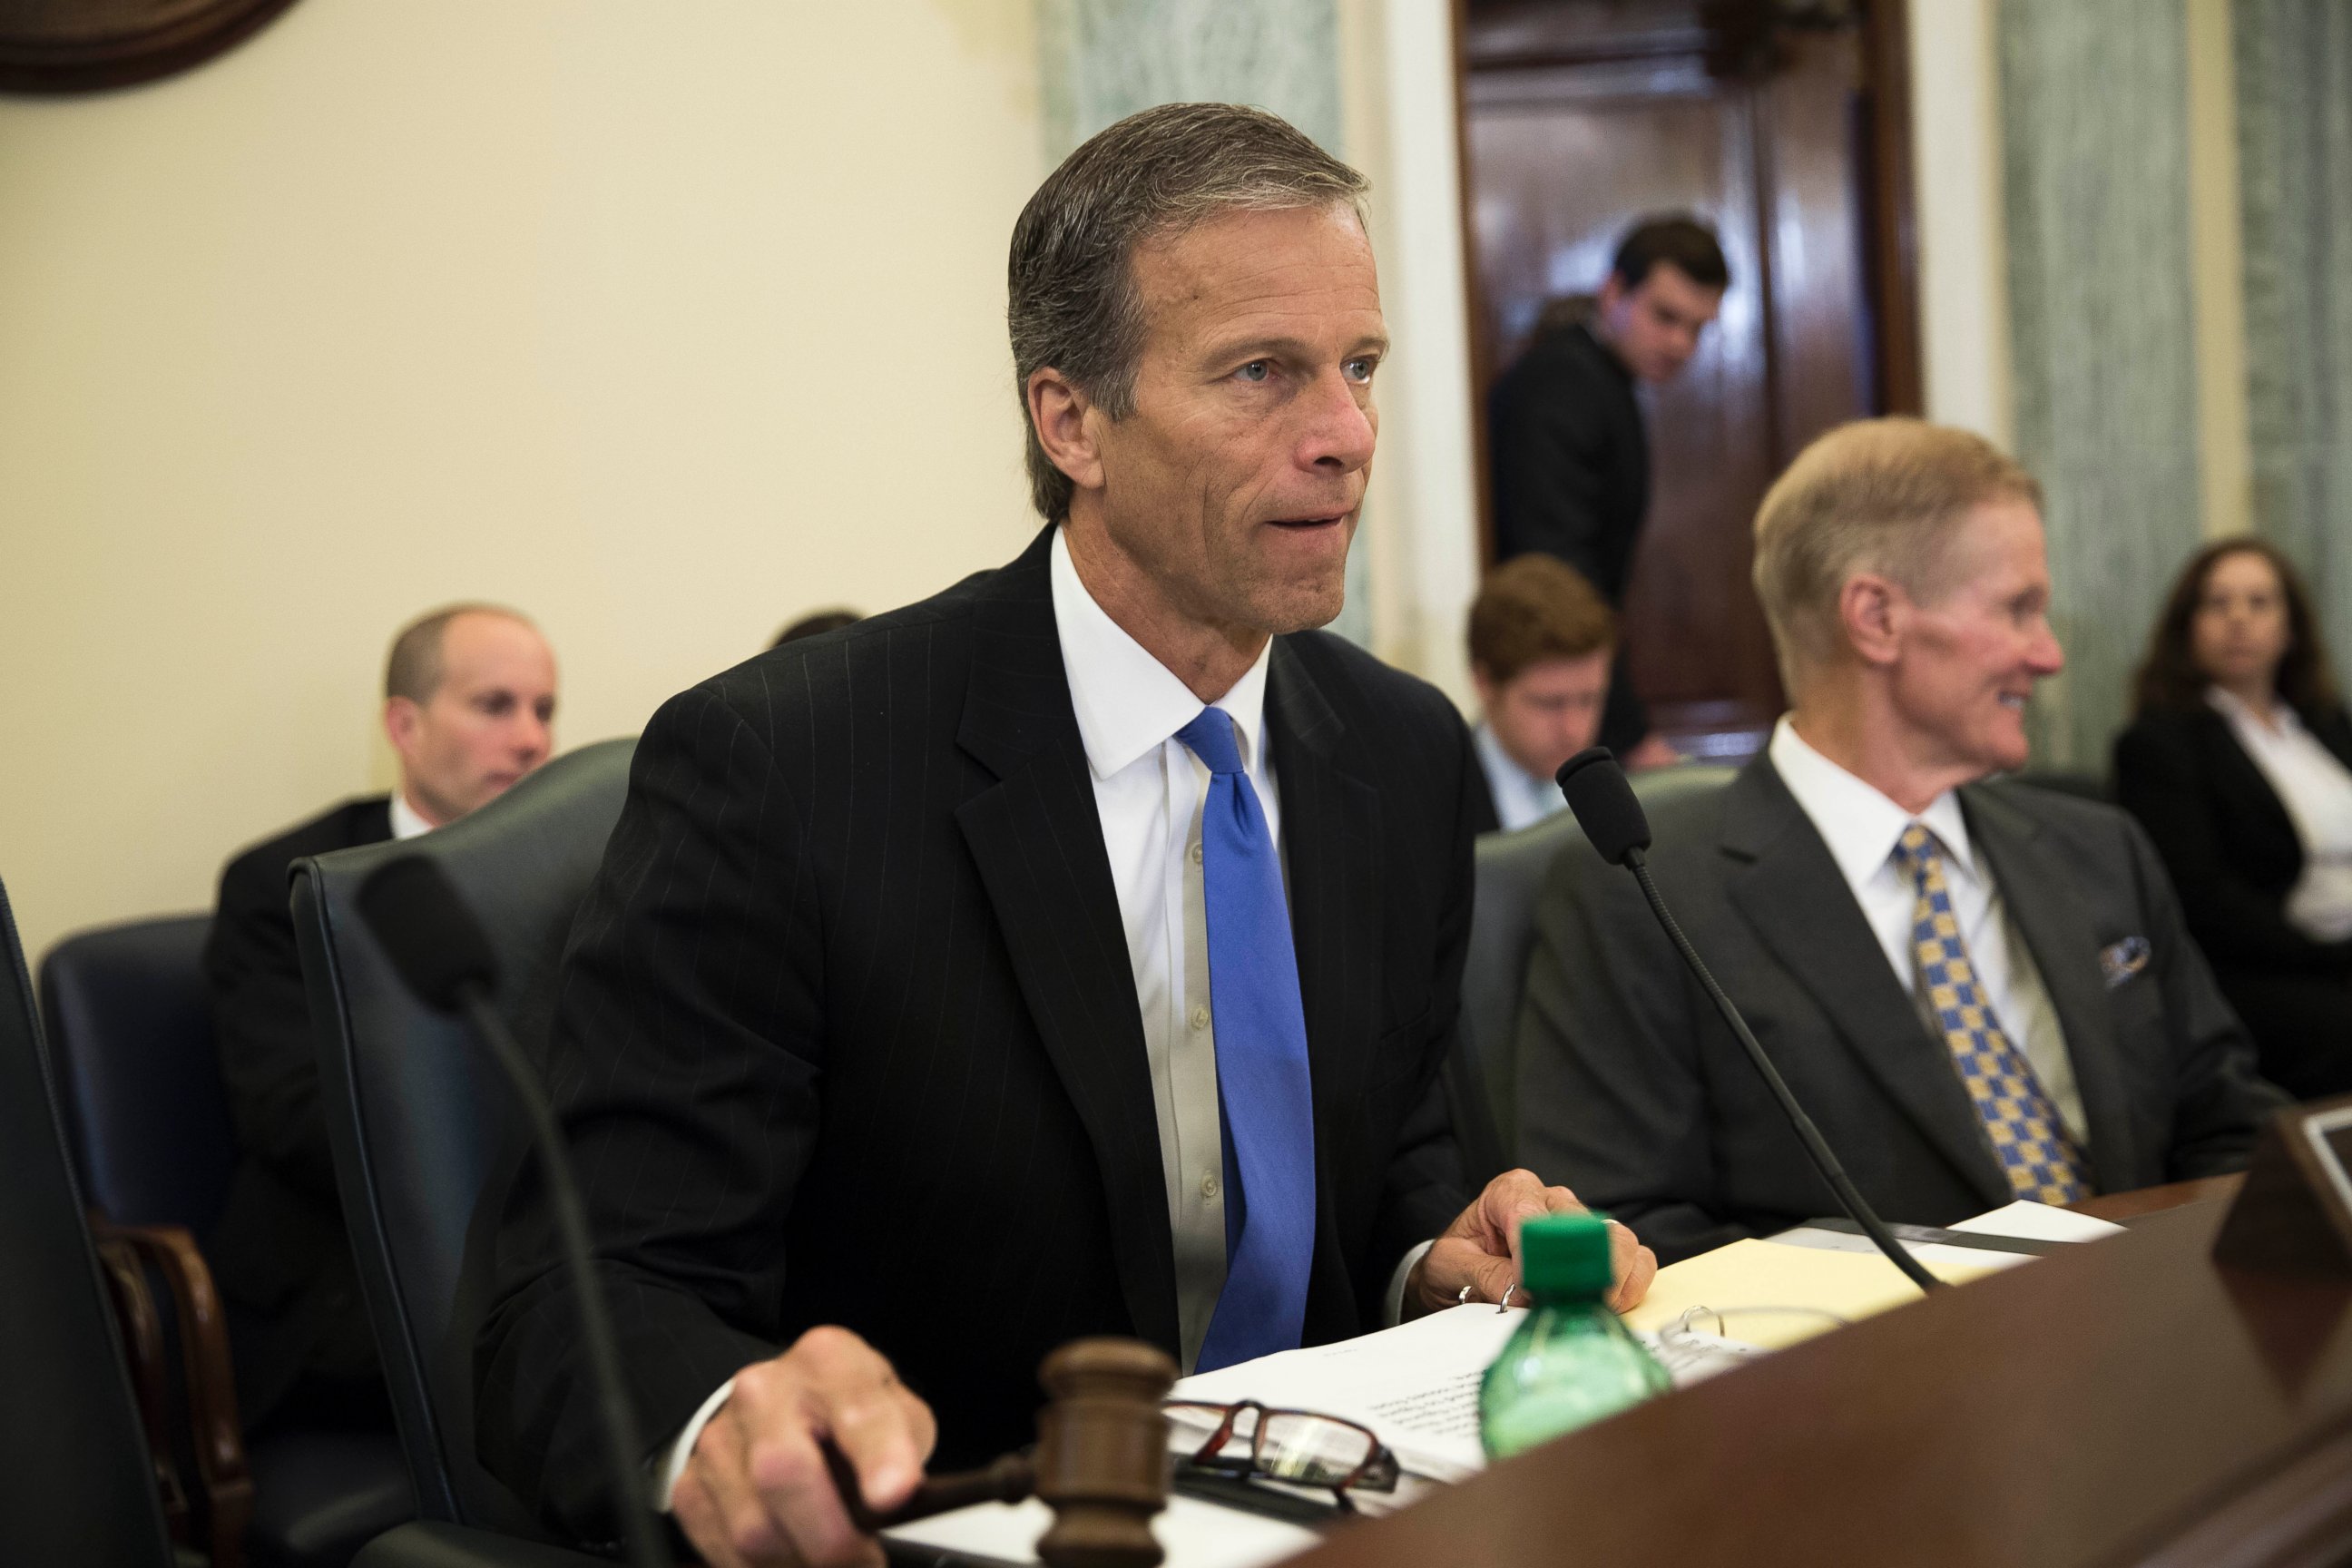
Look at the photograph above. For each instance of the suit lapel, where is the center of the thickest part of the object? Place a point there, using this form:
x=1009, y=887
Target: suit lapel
x=1790, y=891
x=2065, y=943
x=1037, y=840
x=1332, y=871
x=2251, y=789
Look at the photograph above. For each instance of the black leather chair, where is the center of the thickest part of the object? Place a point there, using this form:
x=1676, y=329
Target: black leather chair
x=1483, y=1076
x=75, y=1470
x=420, y=1118
x=130, y=1040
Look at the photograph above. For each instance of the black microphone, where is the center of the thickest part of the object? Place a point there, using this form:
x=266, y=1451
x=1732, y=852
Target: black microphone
x=438, y=950
x=1612, y=819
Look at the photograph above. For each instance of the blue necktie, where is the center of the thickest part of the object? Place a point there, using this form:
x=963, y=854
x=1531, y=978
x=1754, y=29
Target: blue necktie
x=1262, y=1091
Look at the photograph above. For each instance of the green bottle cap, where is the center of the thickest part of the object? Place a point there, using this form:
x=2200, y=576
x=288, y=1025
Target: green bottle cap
x=1565, y=1257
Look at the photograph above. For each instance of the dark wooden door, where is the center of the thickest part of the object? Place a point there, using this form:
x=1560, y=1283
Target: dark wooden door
x=1581, y=115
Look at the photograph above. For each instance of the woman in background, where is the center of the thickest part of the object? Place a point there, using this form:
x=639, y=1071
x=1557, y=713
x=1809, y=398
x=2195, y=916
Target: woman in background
x=2239, y=764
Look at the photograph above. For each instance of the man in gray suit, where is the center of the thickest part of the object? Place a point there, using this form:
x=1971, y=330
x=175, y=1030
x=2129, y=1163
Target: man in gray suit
x=1981, y=990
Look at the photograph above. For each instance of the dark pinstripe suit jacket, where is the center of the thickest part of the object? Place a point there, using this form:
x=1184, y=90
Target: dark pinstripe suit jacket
x=848, y=1033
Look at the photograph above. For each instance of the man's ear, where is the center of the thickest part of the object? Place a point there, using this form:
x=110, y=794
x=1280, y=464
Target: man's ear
x=1487, y=687
x=1870, y=617
x=402, y=719
x=1063, y=419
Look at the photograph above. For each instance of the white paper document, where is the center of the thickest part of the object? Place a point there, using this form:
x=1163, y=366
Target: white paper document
x=2023, y=1220
x=1416, y=1386
x=2039, y=1222
x=1195, y=1534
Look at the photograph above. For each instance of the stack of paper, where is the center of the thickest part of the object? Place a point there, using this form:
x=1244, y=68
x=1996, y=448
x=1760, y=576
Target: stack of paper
x=1417, y=1386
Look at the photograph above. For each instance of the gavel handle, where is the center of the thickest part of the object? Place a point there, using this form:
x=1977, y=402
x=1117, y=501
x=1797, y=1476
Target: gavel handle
x=1009, y=1479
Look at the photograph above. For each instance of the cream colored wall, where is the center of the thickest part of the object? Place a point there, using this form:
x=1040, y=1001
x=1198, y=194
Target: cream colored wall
x=1957, y=205
x=1420, y=510
x=2225, y=442
x=665, y=323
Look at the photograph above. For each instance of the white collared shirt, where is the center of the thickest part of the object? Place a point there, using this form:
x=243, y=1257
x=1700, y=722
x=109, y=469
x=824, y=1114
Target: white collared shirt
x=2316, y=791
x=1860, y=827
x=1521, y=799
x=407, y=822
x=1149, y=789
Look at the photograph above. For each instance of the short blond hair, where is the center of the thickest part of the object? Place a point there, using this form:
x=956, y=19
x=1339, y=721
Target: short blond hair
x=1878, y=495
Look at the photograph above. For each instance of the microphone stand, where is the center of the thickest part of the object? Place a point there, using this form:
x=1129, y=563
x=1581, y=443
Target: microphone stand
x=1816, y=1148
x=640, y=1541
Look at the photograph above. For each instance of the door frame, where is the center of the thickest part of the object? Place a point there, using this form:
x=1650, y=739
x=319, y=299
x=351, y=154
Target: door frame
x=1889, y=218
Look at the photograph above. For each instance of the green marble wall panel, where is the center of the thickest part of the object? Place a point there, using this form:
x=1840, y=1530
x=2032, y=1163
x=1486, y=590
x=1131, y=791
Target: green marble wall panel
x=1104, y=59
x=2294, y=69
x=2096, y=192
x=1101, y=61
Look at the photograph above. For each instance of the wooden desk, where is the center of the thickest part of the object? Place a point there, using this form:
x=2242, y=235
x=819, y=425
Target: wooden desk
x=2125, y=1402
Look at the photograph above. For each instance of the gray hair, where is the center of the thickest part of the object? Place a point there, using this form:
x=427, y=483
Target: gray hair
x=1888, y=496
x=414, y=670
x=1072, y=301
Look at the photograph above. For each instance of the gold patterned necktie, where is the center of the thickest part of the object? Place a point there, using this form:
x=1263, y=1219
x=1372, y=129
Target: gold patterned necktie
x=2039, y=1160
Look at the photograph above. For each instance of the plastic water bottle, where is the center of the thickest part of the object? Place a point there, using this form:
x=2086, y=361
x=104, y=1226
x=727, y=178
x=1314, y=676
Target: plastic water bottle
x=1573, y=1361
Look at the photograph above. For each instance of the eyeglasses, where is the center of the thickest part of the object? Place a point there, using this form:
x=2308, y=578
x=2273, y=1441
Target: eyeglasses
x=1297, y=1447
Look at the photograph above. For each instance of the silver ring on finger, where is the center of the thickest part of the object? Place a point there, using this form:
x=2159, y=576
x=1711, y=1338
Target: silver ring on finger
x=1508, y=1291
x=1461, y=1297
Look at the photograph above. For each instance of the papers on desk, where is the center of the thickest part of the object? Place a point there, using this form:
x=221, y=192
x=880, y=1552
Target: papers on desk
x=1807, y=1280
x=2039, y=1222
x=1417, y=1386
x=1195, y=1534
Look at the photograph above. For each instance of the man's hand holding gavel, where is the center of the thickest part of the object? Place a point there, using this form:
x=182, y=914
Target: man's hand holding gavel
x=757, y=1493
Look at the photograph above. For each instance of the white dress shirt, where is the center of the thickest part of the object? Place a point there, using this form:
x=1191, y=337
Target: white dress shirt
x=1149, y=790
x=1860, y=827
x=406, y=822
x=2316, y=791
x=1521, y=799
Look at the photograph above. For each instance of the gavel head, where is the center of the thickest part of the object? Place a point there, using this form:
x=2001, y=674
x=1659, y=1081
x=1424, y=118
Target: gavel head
x=1102, y=1459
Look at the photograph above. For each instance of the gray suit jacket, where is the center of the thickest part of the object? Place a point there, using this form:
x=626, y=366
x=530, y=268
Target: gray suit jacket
x=1635, y=1093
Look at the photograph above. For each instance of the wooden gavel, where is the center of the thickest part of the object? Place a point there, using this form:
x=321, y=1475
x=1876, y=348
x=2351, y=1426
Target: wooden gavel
x=1101, y=1462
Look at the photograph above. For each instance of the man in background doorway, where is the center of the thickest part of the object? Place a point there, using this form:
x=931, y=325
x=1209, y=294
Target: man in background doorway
x=1570, y=452
x=1540, y=644
x=469, y=703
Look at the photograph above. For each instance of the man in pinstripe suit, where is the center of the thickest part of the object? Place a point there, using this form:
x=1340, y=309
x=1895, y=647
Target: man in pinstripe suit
x=897, y=1045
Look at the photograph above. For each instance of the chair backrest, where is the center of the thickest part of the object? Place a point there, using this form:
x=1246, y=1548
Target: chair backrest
x=131, y=1043
x=1511, y=868
x=420, y=1120
x=74, y=1469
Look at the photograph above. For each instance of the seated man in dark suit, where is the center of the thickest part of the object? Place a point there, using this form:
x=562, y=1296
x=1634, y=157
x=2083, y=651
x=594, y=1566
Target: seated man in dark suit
x=470, y=694
x=1073, y=952
x=1542, y=641
x=1981, y=990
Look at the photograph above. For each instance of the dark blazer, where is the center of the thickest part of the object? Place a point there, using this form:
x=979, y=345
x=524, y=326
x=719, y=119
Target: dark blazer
x=1635, y=1093
x=2233, y=854
x=848, y=1031
x=278, y=1249
x=1485, y=817
x=1571, y=463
